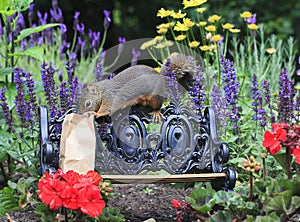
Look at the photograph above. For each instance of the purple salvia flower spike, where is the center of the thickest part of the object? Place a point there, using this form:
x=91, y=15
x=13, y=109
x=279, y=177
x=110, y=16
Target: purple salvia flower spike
x=231, y=89
x=107, y=19
x=197, y=91
x=285, y=99
x=5, y=108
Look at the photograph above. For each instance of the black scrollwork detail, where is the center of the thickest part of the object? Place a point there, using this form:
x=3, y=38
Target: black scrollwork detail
x=184, y=142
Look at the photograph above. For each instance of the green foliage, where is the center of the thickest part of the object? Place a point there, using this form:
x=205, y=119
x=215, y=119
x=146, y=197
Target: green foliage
x=8, y=200
x=110, y=214
x=45, y=213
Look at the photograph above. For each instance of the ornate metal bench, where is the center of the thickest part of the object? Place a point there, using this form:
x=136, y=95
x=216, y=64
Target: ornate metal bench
x=186, y=147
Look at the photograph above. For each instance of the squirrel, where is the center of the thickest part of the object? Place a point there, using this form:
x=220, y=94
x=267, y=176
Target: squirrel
x=136, y=85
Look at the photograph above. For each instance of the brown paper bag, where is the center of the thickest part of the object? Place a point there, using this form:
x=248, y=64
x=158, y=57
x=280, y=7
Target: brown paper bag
x=77, y=143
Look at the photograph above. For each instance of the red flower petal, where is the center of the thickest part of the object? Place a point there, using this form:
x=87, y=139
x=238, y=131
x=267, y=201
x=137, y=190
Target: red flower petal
x=296, y=153
x=176, y=203
x=274, y=148
x=280, y=134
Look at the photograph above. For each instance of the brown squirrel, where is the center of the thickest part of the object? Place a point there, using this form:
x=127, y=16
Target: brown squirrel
x=139, y=84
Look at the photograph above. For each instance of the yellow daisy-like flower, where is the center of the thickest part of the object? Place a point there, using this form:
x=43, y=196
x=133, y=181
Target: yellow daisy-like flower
x=216, y=38
x=200, y=10
x=148, y=44
x=253, y=26
x=159, y=37
x=180, y=27
x=214, y=18
x=212, y=47
x=204, y=48
x=271, y=50
x=180, y=37
x=178, y=15
x=211, y=28
x=157, y=69
x=202, y=23
x=164, y=13
x=169, y=43
x=160, y=45
x=192, y=3
x=234, y=30
x=228, y=26
x=194, y=44
x=246, y=14
x=162, y=31
x=166, y=25
x=188, y=23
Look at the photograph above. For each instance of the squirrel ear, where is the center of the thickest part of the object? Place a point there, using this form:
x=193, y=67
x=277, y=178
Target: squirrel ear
x=92, y=88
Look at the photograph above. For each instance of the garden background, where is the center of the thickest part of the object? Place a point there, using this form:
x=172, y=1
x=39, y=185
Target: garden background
x=247, y=47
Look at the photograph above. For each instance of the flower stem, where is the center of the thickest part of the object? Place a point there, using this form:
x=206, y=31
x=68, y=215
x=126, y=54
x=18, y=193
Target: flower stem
x=288, y=164
x=251, y=187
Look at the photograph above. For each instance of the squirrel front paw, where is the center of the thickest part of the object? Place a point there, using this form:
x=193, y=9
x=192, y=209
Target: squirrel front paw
x=157, y=117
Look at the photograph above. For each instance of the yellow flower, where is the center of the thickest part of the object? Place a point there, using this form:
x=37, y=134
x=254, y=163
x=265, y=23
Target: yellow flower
x=271, y=50
x=188, y=23
x=178, y=15
x=192, y=3
x=157, y=69
x=211, y=28
x=200, y=10
x=194, y=44
x=204, y=48
x=253, y=26
x=246, y=14
x=180, y=37
x=214, y=18
x=216, y=38
x=212, y=47
x=164, y=13
x=234, y=30
x=148, y=44
x=169, y=43
x=160, y=45
x=162, y=31
x=159, y=37
x=202, y=23
x=228, y=26
x=165, y=25
x=180, y=27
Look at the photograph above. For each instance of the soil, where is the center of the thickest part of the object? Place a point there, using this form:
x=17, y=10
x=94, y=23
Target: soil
x=137, y=202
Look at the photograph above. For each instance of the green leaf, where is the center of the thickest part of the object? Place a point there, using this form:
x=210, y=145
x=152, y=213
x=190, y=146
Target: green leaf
x=8, y=201
x=26, y=32
x=3, y=4
x=22, y=5
x=281, y=159
x=36, y=52
x=268, y=218
x=8, y=12
x=6, y=71
x=200, y=199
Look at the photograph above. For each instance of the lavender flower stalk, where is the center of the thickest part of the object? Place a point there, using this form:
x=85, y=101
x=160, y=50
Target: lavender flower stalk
x=285, y=100
x=219, y=105
x=20, y=102
x=267, y=98
x=99, y=69
x=5, y=108
x=197, y=91
x=231, y=89
x=260, y=112
x=172, y=82
x=135, y=55
x=47, y=72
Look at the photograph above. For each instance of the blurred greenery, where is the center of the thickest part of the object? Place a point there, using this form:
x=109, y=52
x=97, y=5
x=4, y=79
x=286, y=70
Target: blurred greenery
x=137, y=19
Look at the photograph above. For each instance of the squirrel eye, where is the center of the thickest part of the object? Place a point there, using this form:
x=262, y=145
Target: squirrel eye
x=88, y=103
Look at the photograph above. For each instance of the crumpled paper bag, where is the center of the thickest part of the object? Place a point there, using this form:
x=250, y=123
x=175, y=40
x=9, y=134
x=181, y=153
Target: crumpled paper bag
x=77, y=143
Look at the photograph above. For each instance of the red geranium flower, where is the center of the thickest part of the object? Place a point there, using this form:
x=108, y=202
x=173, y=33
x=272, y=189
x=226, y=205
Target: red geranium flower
x=90, y=200
x=272, y=139
x=296, y=153
x=176, y=203
x=72, y=177
x=50, y=192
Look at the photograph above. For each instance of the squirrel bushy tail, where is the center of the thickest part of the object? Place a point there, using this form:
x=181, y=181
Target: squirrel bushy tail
x=184, y=68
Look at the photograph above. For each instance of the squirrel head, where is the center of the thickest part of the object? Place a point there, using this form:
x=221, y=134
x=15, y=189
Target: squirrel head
x=90, y=98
